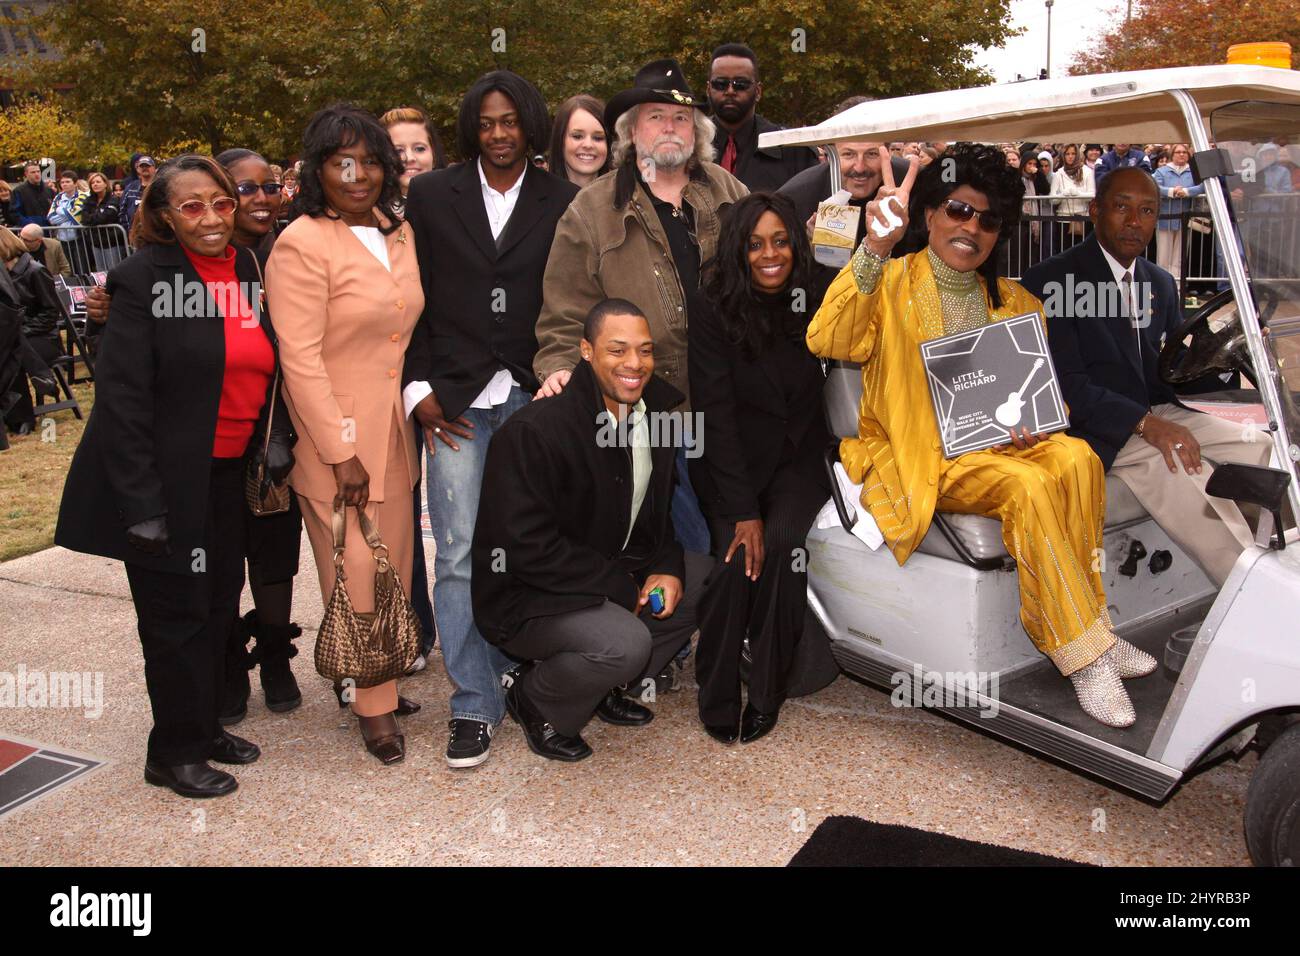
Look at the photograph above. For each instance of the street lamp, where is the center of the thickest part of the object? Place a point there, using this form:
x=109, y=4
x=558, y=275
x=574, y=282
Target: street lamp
x=1049, y=38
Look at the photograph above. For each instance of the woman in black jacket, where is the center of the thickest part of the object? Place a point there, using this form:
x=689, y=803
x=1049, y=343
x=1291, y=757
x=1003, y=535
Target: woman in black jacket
x=101, y=209
x=183, y=382
x=760, y=480
x=29, y=341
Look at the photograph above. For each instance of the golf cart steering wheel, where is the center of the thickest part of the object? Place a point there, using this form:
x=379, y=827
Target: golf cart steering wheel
x=1211, y=351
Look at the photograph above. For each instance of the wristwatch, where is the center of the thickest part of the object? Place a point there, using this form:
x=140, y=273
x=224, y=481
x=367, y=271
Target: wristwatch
x=1141, y=425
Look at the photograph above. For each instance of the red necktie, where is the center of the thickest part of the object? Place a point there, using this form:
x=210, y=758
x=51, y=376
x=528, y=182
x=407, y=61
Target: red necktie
x=729, y=156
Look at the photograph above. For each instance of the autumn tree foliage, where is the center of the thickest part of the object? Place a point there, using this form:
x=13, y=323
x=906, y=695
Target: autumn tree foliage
x=250, y=74
x=1169, y=33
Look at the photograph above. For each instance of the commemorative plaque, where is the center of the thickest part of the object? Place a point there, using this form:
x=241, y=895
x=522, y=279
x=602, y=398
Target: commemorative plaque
x=985, y=382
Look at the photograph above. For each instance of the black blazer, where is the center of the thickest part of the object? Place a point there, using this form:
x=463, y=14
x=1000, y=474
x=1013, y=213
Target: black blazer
x=147, y=448
x=554, y=511
x=481, y=298
x=749, y=409
x=1104, y=383
x=763, y=168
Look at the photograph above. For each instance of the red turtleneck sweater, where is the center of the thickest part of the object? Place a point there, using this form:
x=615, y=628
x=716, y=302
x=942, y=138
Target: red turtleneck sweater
x=250, y=360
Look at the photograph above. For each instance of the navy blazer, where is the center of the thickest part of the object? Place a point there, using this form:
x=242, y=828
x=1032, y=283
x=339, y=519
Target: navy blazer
x=1107, y=387
x=481, y=297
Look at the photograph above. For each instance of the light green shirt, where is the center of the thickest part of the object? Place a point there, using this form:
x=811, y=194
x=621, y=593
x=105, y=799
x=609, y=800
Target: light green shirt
x=641, y=464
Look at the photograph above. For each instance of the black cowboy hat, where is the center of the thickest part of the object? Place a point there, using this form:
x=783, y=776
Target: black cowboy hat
x=661, y=81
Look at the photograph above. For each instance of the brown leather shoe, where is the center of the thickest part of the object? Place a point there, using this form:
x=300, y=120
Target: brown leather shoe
x=382, y=739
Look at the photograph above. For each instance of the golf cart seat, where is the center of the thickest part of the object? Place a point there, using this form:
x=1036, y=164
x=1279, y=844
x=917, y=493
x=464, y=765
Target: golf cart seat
x=970, y=539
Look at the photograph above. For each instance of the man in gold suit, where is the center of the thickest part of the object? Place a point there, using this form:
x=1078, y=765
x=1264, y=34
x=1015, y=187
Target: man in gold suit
x=1048, y=491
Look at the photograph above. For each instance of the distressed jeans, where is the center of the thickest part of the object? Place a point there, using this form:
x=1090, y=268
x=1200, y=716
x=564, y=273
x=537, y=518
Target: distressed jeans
x=455, y=478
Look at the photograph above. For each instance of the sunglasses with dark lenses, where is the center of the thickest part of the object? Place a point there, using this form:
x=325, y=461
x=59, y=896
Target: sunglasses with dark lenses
x=959, y=211
x=194, y=208
x=248, y=188
x=739, y=84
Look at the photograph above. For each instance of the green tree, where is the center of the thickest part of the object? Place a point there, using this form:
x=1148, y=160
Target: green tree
x=250, y=74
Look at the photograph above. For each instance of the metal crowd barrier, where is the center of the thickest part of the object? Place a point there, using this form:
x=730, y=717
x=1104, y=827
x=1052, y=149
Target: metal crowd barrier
x=1269, y=224
x=90, y=248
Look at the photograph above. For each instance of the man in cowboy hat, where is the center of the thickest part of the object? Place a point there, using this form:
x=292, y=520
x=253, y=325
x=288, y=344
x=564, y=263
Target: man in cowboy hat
x=641, y=232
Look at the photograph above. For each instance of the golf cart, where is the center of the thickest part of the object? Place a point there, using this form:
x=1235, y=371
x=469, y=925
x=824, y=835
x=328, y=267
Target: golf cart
x=943, y=630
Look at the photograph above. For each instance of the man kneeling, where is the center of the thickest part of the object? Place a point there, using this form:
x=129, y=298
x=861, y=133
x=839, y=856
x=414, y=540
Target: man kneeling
x=574, y=548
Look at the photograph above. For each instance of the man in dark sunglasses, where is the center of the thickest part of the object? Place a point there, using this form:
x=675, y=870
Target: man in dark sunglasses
x=734, y=92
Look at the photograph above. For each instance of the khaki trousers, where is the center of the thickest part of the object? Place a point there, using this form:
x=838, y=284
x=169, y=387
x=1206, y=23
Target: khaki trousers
x=1209, y=529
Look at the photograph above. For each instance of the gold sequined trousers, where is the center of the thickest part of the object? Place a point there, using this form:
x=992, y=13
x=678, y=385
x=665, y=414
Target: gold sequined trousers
x=1051, y=500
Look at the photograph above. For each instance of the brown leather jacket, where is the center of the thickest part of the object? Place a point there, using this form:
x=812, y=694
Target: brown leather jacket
x=603, y=250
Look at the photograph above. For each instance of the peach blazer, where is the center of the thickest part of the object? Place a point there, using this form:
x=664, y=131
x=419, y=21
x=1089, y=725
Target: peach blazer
x=343, y=322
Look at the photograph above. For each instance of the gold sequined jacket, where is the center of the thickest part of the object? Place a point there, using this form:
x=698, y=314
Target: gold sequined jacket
x=897, y=453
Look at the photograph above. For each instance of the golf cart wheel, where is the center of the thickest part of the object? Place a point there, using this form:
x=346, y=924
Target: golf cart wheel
x=1273, y=804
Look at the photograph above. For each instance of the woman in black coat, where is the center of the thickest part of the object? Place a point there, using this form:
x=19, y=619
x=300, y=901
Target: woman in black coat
x=760, y=480
x=182, y=387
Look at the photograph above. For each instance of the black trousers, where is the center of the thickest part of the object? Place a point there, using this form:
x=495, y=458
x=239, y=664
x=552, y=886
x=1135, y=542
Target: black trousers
x=585, y=654
x=770, y=610
x=184, y=622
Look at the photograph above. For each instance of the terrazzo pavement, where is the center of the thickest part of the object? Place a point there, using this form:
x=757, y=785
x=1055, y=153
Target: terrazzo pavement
x=664, y=794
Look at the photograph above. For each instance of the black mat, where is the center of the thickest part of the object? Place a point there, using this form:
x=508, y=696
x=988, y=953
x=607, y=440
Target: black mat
x=852, y=841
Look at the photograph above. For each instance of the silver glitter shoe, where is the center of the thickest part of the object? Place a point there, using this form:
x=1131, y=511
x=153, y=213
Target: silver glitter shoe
x=1131, y=661
x=1101, y=693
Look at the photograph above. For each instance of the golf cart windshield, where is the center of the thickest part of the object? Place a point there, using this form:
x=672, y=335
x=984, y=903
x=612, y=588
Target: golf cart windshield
x=1263, y=141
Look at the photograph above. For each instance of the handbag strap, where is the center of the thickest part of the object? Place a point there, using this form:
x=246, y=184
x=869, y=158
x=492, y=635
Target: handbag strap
x=338, y=523
x=275, y=384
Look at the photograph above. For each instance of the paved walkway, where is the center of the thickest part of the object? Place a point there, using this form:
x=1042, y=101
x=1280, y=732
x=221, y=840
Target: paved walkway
x=662, y=794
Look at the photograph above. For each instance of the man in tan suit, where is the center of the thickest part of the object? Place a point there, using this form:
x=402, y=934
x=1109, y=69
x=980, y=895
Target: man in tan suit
x=48, y=252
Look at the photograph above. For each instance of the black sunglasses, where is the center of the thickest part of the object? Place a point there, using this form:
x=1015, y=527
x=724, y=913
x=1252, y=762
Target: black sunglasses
x=247, y=188
x=959, y=211
x=739, y=84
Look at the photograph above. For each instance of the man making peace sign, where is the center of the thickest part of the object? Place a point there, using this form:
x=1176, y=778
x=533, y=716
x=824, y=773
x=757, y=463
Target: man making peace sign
x=1048, y=491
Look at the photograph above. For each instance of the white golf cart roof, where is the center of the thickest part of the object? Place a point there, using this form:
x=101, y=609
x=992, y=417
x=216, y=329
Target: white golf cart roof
x=1132, y=107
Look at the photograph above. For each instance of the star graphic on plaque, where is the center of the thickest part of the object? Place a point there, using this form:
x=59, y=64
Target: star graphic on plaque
x=987, y=381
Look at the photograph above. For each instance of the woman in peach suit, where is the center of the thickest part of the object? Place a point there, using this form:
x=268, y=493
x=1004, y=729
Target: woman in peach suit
x=345, y=279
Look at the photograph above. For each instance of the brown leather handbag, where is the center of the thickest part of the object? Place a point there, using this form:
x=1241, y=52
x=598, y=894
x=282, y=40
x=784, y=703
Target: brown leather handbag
x=376, y=646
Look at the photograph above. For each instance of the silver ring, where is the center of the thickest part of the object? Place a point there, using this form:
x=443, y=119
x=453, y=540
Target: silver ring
x=438, y=431
x=1178, y=446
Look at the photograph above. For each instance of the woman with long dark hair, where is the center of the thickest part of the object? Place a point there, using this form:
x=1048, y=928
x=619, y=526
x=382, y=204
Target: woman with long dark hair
x=760, y=480
x=344, y=279
x=180, y=399
x=580, y=149
x=1048, y=491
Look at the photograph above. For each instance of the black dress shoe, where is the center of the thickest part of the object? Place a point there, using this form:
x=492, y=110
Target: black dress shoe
x=381, y=740
x=755, y=724
x=405, y=708
x=722, y=733
x=228, y=748
x=622, y=711
x=543, y=739
x=191, y=779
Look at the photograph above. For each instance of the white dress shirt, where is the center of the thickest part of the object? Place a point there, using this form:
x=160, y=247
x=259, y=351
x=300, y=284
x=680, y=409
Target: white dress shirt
x=498, y=206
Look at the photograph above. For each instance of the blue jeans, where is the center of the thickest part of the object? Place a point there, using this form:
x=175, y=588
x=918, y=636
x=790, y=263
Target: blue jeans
x=455, y=479
x=419, y=573
x=688, y=520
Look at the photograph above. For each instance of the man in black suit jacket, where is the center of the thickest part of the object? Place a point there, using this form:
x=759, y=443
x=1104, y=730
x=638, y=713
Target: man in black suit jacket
x=483, y=231
x=734, y=91
x=1108, y=365
x=859, y=174
x=580, y=535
